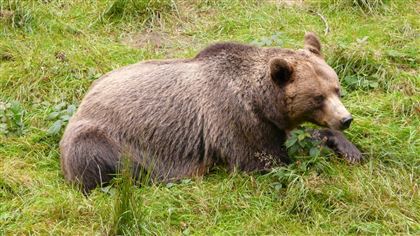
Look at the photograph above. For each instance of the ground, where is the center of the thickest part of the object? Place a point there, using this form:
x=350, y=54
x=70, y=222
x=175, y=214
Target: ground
x=52, y=50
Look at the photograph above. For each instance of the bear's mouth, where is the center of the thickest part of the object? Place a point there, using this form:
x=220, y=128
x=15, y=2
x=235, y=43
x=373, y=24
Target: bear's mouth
x=343, y=124
x=326, y=124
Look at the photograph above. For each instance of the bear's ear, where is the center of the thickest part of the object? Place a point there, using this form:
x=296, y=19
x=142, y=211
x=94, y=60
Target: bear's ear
x=312, y=43
x=280, y=71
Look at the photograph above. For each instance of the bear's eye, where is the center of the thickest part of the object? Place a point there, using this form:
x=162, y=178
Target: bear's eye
x=319, y=98
x=337, y=91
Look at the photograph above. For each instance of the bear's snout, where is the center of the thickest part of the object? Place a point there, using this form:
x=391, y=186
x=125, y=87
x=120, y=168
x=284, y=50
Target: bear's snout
x=335, y=114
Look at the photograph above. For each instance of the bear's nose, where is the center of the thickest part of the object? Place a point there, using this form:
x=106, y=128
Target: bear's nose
x=345, y=122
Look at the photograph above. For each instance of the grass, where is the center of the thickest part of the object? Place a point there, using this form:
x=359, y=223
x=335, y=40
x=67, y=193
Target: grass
x=51, y=51
x=127, y=215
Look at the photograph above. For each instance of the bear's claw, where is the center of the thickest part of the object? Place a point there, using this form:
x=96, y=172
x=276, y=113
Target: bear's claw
x=347, y=150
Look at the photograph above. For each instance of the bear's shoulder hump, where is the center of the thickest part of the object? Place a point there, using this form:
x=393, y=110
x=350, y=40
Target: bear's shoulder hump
x=226, y=47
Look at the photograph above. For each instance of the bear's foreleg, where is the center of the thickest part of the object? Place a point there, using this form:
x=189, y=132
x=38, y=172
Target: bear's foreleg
x=336, y=141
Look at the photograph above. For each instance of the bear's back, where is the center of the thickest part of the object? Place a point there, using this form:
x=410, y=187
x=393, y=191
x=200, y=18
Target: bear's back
x=167, y=90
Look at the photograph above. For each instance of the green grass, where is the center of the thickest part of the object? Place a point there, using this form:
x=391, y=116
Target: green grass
x=52, y=50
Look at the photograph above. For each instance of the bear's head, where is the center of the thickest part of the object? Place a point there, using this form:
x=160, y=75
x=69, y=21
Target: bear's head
x=310, y=87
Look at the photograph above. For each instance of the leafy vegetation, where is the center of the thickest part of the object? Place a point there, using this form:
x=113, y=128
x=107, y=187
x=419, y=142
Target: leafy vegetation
x=52, y=50
x=272, y=41
x=11, y=118
x=61, y=115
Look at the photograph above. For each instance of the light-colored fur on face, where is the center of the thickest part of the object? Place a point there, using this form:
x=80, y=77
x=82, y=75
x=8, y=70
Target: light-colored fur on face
x=314, y=91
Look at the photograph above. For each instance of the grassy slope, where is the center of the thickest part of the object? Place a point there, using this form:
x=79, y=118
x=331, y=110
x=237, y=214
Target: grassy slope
x=379, y=196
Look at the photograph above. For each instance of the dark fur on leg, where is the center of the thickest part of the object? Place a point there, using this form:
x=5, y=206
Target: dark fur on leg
x=89, y=158
x=336, y=141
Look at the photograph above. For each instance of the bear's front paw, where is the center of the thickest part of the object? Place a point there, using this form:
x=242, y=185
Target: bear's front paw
x=348, y=151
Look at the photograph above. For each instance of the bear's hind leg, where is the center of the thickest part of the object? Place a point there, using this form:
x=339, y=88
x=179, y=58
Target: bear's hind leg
x=89, y=157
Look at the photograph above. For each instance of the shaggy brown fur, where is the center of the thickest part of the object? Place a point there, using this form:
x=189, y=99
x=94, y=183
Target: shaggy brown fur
x=181, y=117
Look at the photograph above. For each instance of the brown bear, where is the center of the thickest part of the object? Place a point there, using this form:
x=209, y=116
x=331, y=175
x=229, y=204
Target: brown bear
x=179, y=118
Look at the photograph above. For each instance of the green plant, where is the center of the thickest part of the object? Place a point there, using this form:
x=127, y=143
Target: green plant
x=307, y=154
x=353, y=82
x=273, y=40
x=61, y=114
x=301, y=143
x=11, y=118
